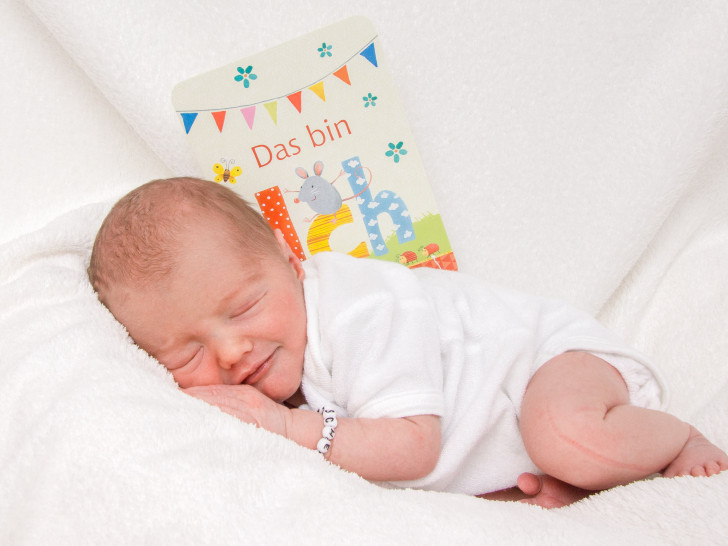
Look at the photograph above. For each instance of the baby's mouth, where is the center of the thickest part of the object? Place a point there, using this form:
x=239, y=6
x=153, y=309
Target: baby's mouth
x=260, y=371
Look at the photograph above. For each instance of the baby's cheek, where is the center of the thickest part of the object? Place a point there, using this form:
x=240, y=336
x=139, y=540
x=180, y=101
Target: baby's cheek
x=182, y=380
x=195, y=378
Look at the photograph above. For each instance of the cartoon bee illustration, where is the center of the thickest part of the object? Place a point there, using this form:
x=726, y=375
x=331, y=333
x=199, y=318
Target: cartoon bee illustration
x=225, y=173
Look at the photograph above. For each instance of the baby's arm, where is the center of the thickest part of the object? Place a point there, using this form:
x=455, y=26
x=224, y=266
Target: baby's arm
x=384, y=449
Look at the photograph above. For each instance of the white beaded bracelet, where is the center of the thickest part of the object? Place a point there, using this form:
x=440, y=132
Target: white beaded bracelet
x=328, y=432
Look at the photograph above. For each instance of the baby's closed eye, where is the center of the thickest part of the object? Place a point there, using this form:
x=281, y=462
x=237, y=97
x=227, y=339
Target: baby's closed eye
x=248, y=307
x=189, y=360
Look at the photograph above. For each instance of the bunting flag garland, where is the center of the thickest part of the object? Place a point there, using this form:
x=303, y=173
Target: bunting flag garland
x=318, y=88
x=249, y=115
x=295, y=98
x=343, y=74
x=272, y=108
x=219, y=119
x=188, y=118
x=369, y=54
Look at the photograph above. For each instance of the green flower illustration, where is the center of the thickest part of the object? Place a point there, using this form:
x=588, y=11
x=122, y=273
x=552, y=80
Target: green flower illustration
x=395, y=151
x=369, y=100
x=245, y=75
x=325, y=50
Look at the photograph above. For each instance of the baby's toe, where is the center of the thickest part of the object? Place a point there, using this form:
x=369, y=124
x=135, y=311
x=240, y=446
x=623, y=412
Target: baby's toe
x=697, y=470
x=529, y=483
x=712, y=468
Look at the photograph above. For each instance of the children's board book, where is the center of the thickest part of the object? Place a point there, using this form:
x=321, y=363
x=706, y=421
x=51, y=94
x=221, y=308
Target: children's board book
x=314, y=133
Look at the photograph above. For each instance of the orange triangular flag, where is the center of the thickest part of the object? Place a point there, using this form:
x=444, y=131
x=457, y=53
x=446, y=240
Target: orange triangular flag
x=318, y=88
x=343, y=74
x=272, y=108
x=295, y=99
x=219, y=119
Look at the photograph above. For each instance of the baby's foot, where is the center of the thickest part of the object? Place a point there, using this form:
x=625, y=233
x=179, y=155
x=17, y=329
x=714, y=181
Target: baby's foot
x=548, y=492
x=698, y=457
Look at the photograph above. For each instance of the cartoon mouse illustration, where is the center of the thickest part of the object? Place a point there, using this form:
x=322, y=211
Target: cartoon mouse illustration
x=321, y=195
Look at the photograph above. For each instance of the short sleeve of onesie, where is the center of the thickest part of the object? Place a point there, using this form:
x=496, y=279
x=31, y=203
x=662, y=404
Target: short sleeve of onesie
x=373, y=346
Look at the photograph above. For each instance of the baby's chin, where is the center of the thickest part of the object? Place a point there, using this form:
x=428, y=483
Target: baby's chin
x=284, y=398
x=295, y=400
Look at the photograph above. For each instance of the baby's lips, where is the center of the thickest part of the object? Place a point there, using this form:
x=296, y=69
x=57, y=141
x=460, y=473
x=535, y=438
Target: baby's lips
x=253, y=377
x=258, y=370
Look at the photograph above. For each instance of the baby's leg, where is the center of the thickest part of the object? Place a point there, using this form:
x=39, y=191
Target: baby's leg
x=577, y=425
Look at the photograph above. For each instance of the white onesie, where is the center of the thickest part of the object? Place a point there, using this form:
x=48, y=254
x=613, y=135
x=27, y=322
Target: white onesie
x=387, y=341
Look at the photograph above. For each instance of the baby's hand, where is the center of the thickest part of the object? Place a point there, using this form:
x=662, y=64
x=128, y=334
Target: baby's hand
x=247, y=404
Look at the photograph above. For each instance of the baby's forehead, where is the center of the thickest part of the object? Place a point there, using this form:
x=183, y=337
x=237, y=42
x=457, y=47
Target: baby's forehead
x=187, y=216
x=210, y=233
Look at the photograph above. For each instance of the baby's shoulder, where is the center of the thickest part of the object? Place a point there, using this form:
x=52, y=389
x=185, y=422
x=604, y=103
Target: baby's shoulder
x=338, y=268
x=335, y=277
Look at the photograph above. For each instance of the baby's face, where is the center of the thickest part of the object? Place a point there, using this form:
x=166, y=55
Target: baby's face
x=223, y=317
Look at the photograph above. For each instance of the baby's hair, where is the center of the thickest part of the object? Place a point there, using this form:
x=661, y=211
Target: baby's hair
x=140, y=239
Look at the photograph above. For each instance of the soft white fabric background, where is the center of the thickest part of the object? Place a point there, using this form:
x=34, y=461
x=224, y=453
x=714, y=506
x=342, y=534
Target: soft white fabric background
x=62, y=145
x=577, y=149
x=564, y=131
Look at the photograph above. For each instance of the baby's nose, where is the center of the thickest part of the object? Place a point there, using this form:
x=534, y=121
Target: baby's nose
x=231, y=352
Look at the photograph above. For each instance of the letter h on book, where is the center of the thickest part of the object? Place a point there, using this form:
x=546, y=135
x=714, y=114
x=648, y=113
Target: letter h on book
x=385, y=202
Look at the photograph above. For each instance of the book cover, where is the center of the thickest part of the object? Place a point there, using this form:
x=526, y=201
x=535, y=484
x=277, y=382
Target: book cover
x=314, y=133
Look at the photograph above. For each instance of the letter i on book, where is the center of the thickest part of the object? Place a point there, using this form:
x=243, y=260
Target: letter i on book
x=314, y=133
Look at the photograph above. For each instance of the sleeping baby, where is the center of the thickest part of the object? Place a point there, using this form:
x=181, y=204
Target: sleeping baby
x=421, y=378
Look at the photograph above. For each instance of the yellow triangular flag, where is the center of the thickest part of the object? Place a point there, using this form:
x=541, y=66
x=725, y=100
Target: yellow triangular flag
x=318, y=88
x=272, y=108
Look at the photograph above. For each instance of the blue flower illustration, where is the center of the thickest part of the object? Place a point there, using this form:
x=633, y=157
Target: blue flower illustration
x=325, y=50
x=245, y=75
x=369, y=100
x=396, y=151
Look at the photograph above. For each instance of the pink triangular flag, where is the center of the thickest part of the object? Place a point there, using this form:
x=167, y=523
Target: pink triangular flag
x=249, y=115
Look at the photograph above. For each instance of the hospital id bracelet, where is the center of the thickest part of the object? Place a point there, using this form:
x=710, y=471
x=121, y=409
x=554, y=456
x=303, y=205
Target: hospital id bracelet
x=328, y=432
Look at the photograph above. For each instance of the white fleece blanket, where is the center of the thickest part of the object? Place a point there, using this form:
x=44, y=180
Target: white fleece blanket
x=576, y=149
x=99, y=446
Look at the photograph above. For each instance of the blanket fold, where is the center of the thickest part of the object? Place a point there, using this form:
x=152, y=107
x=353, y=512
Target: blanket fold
x=575, y=150
x=100, y=446
x=557, y=138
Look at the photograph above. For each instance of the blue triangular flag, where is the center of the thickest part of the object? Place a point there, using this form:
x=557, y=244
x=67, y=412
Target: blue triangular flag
x=369, y=54
x=188, y=119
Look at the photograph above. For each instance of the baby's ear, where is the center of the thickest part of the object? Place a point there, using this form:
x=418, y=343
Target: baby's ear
x=289, y=254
